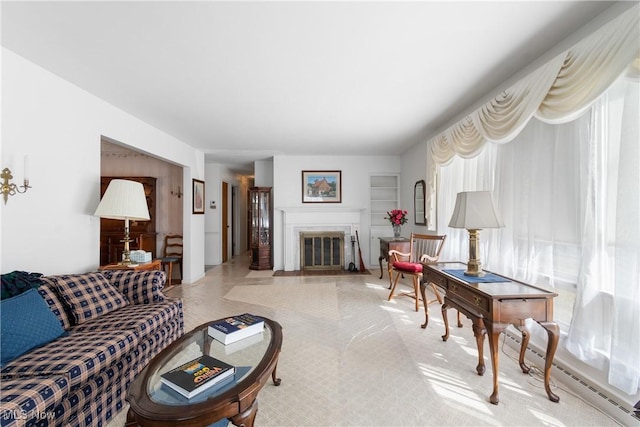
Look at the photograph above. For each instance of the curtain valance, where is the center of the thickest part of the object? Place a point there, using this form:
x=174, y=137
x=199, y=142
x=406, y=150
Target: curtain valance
x=557, y=92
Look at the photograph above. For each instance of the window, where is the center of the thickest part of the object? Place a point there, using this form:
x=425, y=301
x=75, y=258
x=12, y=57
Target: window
x=569, y=196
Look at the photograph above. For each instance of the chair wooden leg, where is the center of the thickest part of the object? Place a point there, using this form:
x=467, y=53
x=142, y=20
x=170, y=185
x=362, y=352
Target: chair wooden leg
x=416, y=291
x=435, y=291
x=393, y=287
x=170, y=273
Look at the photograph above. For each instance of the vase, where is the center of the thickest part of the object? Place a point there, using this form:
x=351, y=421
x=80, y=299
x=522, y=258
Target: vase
x=397, y=230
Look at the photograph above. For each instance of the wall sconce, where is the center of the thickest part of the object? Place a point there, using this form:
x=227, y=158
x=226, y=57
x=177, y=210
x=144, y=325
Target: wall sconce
x=11, y=189
x=179, y=193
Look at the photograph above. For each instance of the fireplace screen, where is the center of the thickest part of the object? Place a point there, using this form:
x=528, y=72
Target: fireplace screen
x=322, y=251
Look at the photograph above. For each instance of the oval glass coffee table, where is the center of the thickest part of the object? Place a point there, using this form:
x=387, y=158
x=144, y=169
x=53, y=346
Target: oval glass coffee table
x=255, y=358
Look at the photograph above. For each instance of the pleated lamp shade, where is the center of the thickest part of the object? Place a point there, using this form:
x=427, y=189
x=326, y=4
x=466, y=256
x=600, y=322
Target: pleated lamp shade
x=124, y=200
x=474, y=210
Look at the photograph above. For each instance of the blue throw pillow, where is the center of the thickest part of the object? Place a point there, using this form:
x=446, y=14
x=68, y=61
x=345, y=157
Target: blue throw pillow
x=26, y=322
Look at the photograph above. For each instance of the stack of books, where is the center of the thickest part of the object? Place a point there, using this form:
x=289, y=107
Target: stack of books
x=206, y=372
x=236, y=328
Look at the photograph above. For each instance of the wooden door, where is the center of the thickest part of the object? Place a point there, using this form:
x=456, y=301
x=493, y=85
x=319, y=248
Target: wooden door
x=225, y=222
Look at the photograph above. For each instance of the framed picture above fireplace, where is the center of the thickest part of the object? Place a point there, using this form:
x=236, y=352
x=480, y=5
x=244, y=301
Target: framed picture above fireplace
x=321, y=186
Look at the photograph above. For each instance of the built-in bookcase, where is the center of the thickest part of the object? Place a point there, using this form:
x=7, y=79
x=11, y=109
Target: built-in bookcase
x=384, y=196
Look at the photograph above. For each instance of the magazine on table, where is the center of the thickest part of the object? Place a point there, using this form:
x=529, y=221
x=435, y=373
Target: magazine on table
x=197, y=375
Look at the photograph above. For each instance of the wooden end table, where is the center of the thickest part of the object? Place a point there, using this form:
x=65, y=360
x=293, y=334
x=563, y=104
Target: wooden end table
x=400, y=244
x=151, y=265
x=153, y=404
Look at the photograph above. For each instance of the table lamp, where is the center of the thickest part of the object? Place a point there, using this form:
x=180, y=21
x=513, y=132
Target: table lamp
x=124, y=200
x=474, y=211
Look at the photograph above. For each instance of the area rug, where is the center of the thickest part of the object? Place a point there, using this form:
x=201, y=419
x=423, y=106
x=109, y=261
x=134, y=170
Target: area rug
x=313, y=299
x=283, y=273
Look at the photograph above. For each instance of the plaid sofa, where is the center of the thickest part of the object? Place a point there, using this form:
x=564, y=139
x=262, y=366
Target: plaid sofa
x=112, y=332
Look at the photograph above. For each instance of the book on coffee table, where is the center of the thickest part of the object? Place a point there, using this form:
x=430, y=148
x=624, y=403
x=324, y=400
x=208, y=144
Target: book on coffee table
x=197, y=375
x=235, y=328
x=243, y=343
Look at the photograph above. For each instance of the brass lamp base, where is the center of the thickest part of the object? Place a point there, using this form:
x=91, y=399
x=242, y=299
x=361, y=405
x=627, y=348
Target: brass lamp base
x=474, y=266
x=126, y=253
x=474, y=270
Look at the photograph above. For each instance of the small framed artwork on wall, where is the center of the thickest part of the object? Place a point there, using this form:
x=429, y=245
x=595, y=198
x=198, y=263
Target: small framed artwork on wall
x=198, y=196
x=321, y=186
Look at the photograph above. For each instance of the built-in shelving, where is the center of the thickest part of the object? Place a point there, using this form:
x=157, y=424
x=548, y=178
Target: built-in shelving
x=384, y=196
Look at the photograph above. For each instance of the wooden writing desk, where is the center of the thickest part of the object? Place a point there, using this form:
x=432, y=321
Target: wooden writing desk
x=492, y=307
x=400, y=244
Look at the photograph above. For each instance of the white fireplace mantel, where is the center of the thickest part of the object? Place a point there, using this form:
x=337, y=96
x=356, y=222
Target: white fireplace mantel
x=306, y=219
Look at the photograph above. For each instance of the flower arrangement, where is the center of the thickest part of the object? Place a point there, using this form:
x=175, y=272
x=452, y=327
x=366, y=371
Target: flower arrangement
x=397, y=217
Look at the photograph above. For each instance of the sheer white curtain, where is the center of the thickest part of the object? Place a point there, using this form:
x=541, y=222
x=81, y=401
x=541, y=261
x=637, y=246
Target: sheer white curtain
x=463, y=175
x=569, y=195
x=535, y=182
x=606, y=318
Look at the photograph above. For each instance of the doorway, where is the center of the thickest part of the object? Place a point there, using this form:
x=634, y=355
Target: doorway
x=234, y=211
x=225, y=222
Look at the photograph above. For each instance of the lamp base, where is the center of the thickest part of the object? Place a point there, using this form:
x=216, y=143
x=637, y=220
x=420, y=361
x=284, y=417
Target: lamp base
x=474, y=273
x=474, y=266
x=474, y=269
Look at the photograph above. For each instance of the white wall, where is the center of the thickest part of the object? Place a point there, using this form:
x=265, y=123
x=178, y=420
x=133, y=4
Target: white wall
x=287, y=190
x=414, y=168
x=51, y=229
x=215, y=174
x=263, y=173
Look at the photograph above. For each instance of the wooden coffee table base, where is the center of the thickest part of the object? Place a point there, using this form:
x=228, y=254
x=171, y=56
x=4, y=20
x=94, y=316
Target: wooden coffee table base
x=238, y=404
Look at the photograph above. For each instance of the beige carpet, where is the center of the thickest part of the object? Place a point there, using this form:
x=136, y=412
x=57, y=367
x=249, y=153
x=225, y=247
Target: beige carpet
x=313, y=299
x=352, y=358
x=257, y=274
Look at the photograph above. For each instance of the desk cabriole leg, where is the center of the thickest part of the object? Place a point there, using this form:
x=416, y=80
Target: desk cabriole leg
x=478, y=332
x=445, y=307
x=523, y=349
x=494, y=338
x=380, y=261
x=423, y=287
x=553, y=331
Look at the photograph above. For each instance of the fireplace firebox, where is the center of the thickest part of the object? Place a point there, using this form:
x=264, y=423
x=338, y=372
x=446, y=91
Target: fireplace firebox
x=322, y=250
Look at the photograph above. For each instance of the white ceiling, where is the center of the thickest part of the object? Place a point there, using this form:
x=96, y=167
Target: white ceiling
x=243, y=81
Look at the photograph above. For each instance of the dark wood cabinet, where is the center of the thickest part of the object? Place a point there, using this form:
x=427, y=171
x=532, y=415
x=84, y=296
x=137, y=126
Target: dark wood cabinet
x=260, y=228
x=142, y=233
